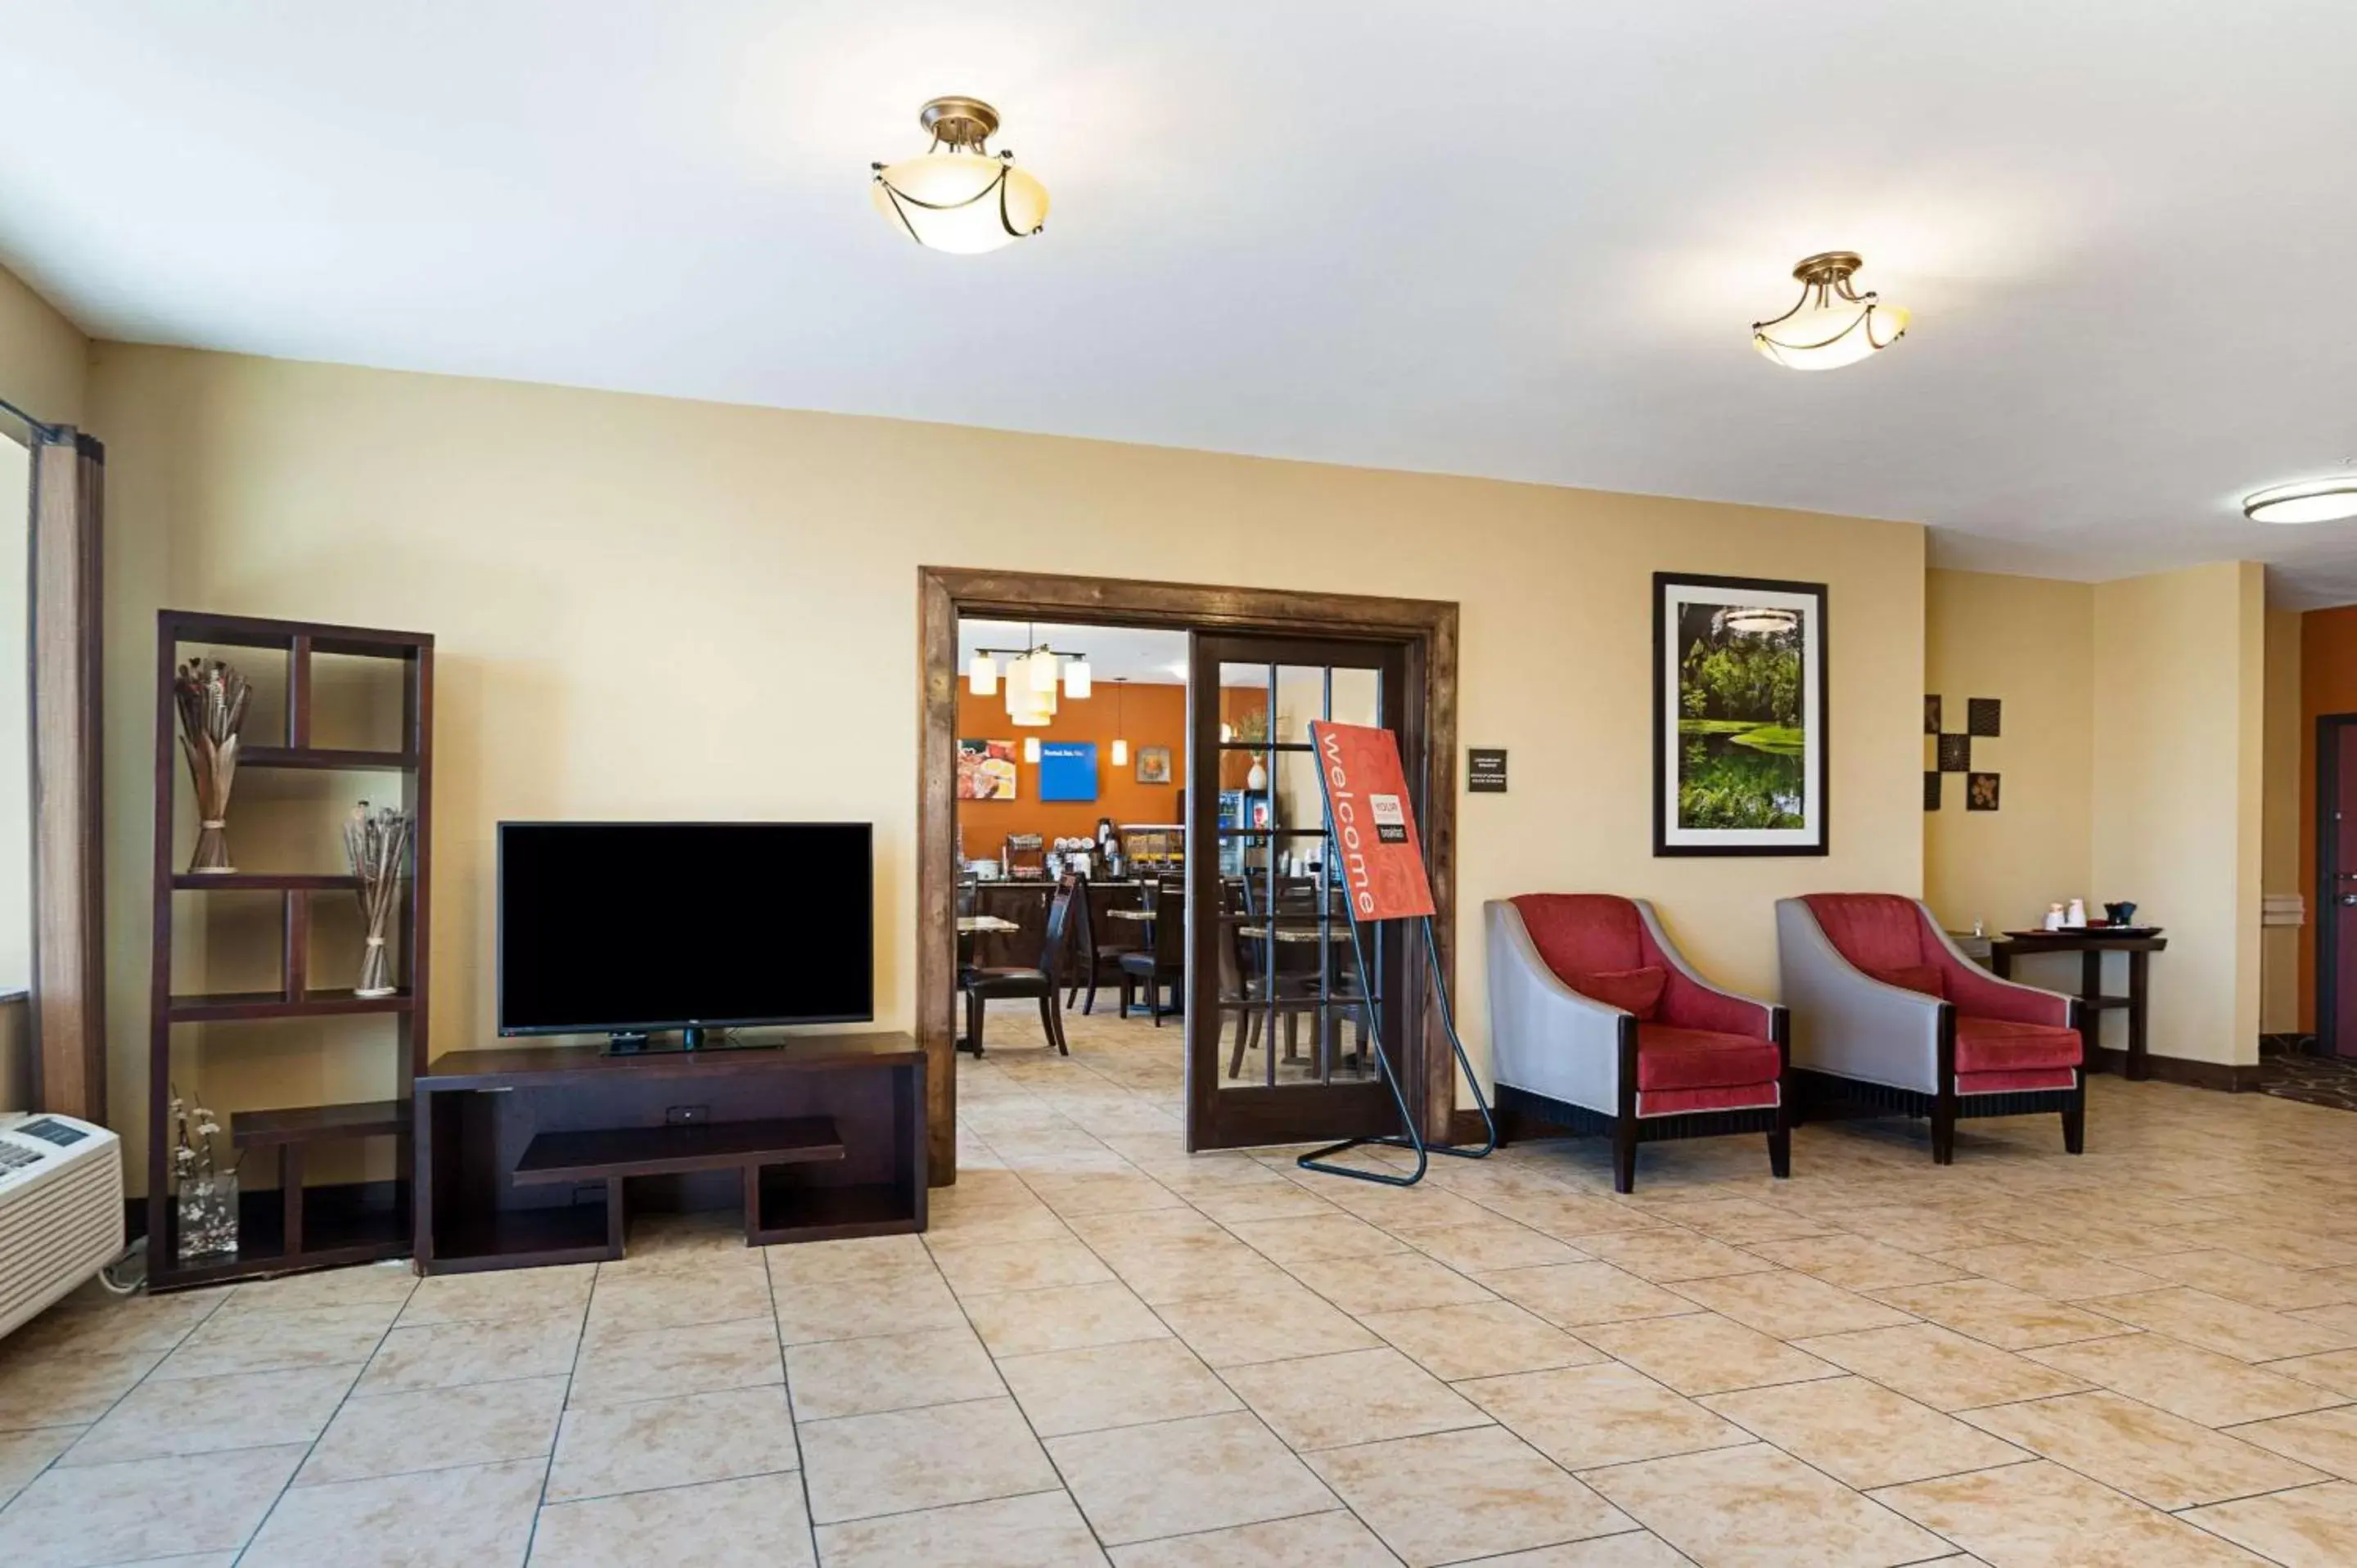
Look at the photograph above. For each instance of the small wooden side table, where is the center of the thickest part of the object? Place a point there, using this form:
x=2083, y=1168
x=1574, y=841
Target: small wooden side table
x=2091, y=943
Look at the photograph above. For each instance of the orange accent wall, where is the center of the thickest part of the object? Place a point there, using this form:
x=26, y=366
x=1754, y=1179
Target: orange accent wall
x=2327, y=684
x=1149, y=716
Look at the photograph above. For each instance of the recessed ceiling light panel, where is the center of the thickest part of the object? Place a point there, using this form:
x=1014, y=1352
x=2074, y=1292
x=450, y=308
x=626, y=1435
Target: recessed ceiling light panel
x=959, y=196
x=1832, y=324
x=2310, y=500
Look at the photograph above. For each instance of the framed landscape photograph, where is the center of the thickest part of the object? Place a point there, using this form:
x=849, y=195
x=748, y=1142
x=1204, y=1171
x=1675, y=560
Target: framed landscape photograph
x=1738, y=716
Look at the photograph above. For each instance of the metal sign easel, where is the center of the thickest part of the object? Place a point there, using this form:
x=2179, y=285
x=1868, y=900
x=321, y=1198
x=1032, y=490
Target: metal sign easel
x=1370, y=836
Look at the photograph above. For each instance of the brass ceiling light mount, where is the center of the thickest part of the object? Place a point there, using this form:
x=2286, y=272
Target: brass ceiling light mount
x=959, y=196
x=1832, y=324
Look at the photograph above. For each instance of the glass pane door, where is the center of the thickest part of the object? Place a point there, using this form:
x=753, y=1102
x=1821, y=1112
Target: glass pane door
x=1282, y=1005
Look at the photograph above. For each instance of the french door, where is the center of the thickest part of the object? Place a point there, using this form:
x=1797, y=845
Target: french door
x=1284, y=1015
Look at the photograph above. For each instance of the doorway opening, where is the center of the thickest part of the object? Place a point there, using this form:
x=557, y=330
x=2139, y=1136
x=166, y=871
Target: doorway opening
x=1267, y=1036
x=2336, y=885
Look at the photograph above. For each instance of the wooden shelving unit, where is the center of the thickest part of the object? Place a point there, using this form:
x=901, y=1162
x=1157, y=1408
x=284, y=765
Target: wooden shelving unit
x=298, y=1227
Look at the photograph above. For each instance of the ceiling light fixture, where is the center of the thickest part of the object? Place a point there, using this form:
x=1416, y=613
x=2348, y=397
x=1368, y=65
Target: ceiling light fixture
x=1120, y=746
x=1833, y=324
x=1034, y=675
x=1758, y=620
x=2310, y=500
x=959, y=196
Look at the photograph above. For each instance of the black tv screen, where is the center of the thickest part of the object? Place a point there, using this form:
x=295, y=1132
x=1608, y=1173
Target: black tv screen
x=638, y=925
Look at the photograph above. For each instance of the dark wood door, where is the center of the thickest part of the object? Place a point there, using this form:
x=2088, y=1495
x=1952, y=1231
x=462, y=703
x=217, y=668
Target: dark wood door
x=2336, y=895
x=1279, y=1043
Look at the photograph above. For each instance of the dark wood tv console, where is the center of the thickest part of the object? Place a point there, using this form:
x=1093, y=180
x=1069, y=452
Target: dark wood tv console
x=537, y=1155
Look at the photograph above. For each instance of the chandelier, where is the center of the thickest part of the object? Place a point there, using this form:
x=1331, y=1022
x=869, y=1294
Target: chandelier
x=958, y=195
x=1832, y=324
x=1033, y=675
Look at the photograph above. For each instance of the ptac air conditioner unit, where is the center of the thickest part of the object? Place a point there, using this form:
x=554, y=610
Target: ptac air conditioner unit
x=60, y=1210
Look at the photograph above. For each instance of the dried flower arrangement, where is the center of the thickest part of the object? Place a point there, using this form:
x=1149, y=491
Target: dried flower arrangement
x=207, y=1187
x=212, y=699
x=377, y=843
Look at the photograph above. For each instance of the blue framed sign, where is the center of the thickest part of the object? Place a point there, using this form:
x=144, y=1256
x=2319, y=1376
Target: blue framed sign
x=1068, y=770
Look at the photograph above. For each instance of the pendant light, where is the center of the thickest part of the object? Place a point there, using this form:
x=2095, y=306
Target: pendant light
x=2311, y=500
x=959, y=196
x=1030, y=748
x=1832, y=324
x=1078, y=679
x=1120, y=746
x=981, y=675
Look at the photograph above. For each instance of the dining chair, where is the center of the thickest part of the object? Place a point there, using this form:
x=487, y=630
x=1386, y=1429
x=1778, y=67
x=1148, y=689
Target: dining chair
x=1043, y=980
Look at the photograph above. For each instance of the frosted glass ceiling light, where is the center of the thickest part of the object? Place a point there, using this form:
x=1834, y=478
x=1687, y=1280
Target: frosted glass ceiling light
x=1120, y=746
x=2310, y=500
x=959, y=196
x=1042, y=670
x=982, y=676
x=1030, y=748
x=1078, y=680
x=1832, y=325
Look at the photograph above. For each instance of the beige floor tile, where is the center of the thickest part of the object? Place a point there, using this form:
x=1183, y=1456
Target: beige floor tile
x=105, y=1324
x=1572, y=1295
x=367, y=1283
x=2054, y=1272
x=1637, y=1549
x=1854, y=1263
x=205, y=1416
x=1265, y=1325
x=2293, y=1247
x=1741, y=1220
x=1360, y=1396
x=845, y=1309
x=1702, y=1353
x=658, y=1243
x=503, y=1293
x=1332, y=1539
x=888, y=1371
x=2335, y=1371
x=672, y=1442
x=1916, y=1229
x=1602, y=1415
x=863, y=1258
x=997, y=1226
x=1103, y=1386
x=279, y=1341
x=1564, y=1215
x=2325, y=1439
x=2199, y=1385
x=1747, y=1508
x=1099, y=1192
x=25, y=1455
x=1399, y=1208
x=1019, y=1265
x=1164, y=1272
x=1861, y=1433
x=450, y=1355
x=480, y=1516
x=676, y=1298
x=654, y=1363
x=1479, y=1339
x=2229, y=1328
x=1480, y=1249
x=859, y=1467
x=1789, y=1304
x=1178, y=1477
x=1941, y=1367
x=757, y=1522
x=1999, y=1315
x=1043, y=1528
x=60, y=1388
x=1063, y=1317
x=1275, y=1198
x=2315, y=1527
x=74, y=1517
x=1665, y=1256
x=2153, y=1457
x=439, y=1428
x=1457, y=1495
x=1311, y=1237
x=2339, y=1315
x=2042, y=1516
x=1394, y=1284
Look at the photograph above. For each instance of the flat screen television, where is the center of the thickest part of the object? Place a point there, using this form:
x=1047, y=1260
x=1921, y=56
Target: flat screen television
x=629, y=928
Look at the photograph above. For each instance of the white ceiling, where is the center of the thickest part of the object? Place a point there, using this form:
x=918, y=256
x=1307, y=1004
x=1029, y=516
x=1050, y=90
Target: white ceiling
x=1115, y=652
x=1516, y=238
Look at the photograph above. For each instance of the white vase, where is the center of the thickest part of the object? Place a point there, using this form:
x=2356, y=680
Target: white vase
x=1257, y=779
x=2078, y=914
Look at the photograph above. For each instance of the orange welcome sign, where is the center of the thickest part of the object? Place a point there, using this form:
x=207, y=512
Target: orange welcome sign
x=1381, y=858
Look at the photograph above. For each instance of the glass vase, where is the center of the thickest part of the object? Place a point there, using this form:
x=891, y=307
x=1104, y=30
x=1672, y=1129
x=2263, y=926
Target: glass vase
x=208, y=1216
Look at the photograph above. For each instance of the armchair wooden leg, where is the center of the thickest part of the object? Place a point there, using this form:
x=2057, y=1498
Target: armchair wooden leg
x=1780, y=1146
x=1943, y=1127
x=975, y=1010
x=2075, y=1120
x=1624, y=1153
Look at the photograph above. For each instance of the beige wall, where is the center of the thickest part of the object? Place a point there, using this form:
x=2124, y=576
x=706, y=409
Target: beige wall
x=44, y=357
x=16, y=1055
x=2030, y=642
x=2179, y=729
x=15, y=726
x=2279, y=859
x=650, y=607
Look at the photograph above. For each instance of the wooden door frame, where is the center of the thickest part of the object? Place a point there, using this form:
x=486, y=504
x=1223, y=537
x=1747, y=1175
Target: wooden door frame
x=1426, y=626
x=2328, y=846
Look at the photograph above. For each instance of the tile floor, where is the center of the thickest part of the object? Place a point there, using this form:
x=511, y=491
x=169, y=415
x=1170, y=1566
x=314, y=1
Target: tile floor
x=1105, y=1349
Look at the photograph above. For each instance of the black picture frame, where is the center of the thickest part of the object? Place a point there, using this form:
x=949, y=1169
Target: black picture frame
x=1815, y=837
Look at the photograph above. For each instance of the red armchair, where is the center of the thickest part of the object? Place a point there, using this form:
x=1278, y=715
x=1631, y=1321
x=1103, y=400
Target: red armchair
x=1886, y=1011
x=1598, y=1023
